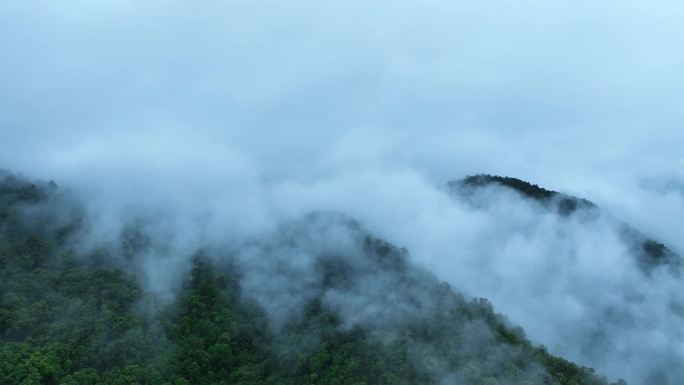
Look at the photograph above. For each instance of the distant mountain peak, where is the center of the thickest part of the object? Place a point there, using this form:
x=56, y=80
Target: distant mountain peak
x=649, y=253
x=566, y=204
x=524, y=187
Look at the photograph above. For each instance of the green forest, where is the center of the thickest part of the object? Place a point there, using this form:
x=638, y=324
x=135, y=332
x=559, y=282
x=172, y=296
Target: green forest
x=71, y=318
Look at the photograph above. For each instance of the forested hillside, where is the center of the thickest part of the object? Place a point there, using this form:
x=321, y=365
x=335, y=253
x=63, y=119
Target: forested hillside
x=350, y=313
x=649, y=253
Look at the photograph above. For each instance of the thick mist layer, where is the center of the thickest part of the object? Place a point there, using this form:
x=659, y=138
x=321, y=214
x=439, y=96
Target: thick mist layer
x=211, y=126
x=572, y=281
x=578, y=283
x=581, y=96
x=317, y=298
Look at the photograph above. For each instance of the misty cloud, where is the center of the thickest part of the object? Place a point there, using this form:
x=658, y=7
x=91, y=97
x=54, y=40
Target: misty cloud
x=214, y=124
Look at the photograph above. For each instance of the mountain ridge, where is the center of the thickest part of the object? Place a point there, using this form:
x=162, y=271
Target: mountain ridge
x=365, y=315
x=649, y=252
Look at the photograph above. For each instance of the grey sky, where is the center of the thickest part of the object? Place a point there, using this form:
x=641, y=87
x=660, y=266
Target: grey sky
x=580, y=96
x=443, y=82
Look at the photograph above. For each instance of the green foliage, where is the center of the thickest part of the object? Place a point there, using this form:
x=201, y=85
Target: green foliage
x=216, y=342
x=83, y=320
x=562, y=203
x=525, y=188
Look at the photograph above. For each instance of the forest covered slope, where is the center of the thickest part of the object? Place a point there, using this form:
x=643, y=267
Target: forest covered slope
x=648, y=252
x=353, y=310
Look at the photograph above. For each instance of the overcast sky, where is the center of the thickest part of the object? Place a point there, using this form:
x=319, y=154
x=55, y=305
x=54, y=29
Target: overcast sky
x=581, y=96
x=556, y=91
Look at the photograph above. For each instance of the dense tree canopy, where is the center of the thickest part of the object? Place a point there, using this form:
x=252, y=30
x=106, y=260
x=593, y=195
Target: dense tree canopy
x=67, y=318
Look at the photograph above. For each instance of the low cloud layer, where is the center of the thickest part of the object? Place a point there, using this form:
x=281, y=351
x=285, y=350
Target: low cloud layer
x=215, y=123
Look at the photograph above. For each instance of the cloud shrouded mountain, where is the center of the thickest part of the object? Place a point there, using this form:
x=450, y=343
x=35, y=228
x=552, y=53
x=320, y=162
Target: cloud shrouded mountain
x=321, y=287
x=587, y=284
x=314, y=300
x=238, y=153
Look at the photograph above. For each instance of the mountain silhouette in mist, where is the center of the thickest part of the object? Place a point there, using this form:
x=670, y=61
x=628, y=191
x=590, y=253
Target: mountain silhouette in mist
x=648, y=252
x=354, y=311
